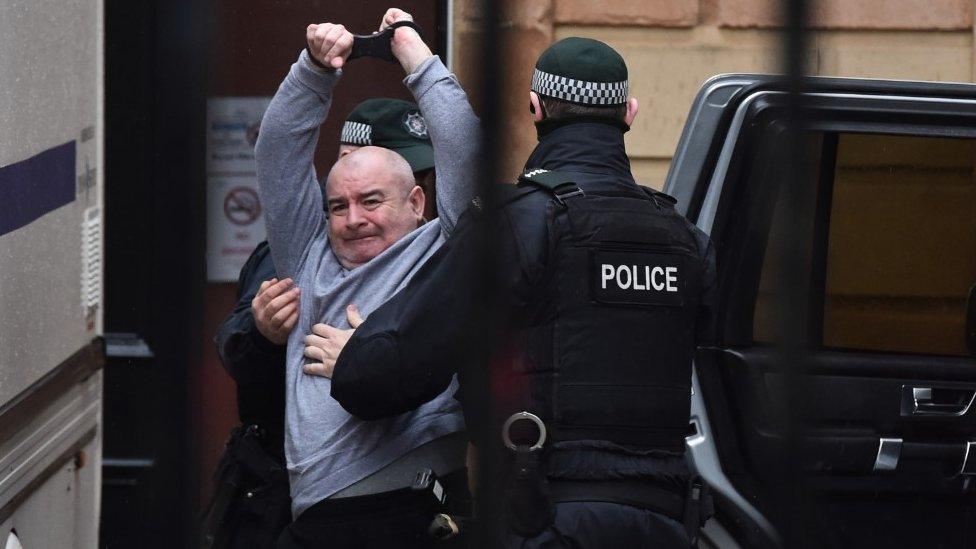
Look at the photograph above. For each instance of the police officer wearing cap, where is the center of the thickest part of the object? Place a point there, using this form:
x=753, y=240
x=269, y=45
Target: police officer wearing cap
x=610, y=296
x=251, y=505
x=397, y=125
x=605, y=293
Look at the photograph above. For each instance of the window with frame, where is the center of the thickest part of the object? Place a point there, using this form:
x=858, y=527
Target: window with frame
x=892, y=246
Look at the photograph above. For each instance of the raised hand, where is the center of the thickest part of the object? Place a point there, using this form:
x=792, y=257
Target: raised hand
x=407, y=46
x=329, y=44
x=394, y=15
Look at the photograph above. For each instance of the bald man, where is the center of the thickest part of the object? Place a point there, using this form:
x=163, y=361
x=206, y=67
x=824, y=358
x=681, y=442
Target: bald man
x=372, y=202
x=366, y=246
x=251, y=343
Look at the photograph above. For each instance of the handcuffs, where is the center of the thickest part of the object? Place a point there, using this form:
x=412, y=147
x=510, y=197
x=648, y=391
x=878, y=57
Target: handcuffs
x=376, y=45
x=528, y=505
x=523, y=416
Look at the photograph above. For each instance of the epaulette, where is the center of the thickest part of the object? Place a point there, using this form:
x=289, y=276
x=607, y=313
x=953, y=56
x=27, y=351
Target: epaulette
x=661, y=199
x=546, y=179
x=560, y=185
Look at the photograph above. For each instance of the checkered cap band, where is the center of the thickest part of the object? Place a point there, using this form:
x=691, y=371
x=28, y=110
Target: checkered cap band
x=356, y=133
x=579, y=91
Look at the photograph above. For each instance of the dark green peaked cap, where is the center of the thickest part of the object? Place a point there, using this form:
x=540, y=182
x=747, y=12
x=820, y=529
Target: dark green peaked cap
x=583, y=71
x=392, y=124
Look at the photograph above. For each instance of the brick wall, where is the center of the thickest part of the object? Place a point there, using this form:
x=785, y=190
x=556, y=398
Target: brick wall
x=672, y=46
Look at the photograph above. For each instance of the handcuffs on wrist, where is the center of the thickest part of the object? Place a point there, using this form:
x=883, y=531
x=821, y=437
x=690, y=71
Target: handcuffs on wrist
x=376, y=45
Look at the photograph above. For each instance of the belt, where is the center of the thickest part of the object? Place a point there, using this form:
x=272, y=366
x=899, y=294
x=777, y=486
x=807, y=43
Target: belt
x=634, y=493
x=442, y=455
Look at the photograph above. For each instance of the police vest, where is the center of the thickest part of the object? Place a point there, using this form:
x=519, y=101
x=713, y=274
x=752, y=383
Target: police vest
x=610, y=359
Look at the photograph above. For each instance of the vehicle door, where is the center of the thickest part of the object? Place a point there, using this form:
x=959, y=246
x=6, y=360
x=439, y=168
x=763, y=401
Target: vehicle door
x=836, y=406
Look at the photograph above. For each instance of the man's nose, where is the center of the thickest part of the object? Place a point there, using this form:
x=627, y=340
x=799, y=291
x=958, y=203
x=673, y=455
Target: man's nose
x=355, y=217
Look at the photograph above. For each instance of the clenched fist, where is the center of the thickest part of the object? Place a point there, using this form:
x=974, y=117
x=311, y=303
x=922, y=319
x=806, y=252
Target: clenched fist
x=329, y=44
x=407, y=46
x=275, y=309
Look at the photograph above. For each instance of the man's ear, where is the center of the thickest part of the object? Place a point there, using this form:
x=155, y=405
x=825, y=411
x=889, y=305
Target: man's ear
x=417, y=200
x=631, y=111
x=535, y=107
x=345, y=149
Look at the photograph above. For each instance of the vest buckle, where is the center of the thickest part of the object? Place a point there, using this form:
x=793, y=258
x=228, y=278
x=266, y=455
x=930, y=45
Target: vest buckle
x=570, y=192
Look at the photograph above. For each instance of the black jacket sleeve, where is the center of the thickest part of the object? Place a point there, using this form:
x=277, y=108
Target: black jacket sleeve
x=246, y=354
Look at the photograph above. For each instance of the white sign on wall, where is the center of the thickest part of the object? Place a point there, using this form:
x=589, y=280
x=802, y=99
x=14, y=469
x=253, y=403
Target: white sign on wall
x=234, y=221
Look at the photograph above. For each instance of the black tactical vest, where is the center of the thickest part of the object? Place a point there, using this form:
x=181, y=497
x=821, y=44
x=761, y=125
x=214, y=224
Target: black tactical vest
x=610, y=357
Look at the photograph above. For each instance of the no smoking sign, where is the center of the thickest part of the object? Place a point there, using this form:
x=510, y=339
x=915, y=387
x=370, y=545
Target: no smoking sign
x=241, y=206
x=235, y=224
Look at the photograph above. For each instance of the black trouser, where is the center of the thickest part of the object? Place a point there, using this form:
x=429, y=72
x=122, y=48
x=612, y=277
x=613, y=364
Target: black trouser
x=394, y=520
x=586, y=525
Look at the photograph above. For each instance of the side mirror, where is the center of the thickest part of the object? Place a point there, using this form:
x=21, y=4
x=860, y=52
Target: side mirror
x=971, y=321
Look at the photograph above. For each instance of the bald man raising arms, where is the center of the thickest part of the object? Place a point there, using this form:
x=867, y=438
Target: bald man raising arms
x=390, y=204
x=371, y=242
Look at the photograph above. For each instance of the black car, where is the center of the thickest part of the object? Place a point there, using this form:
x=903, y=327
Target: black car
x=860, y=430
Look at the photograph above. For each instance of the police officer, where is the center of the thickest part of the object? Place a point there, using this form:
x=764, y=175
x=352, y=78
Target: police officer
x=610, y=292
x=251, y=504
x=605, y=292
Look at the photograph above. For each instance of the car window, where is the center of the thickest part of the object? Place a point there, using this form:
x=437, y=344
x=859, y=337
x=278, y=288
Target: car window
x=899, y=256
x=902, y=247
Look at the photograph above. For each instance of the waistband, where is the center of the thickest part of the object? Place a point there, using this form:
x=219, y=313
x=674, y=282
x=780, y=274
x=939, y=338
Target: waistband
x=400, y=501
x=442, y=455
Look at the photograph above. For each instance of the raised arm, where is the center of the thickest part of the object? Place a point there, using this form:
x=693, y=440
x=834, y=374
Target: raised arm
x=455, y=131
x=285, y=149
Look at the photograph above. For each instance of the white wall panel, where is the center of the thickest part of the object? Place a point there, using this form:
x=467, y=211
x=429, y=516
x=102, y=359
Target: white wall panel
x=50, y=94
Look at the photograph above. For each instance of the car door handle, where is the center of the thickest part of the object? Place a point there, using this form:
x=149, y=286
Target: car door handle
x=937, y=401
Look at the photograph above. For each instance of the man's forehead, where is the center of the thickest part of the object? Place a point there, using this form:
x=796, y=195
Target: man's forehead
x=366, y=170
x=355, y=190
